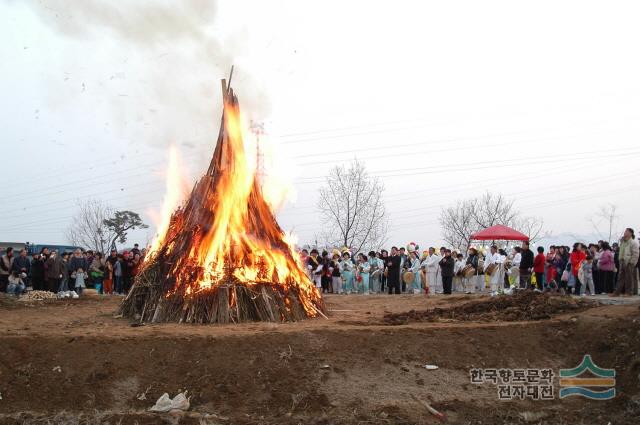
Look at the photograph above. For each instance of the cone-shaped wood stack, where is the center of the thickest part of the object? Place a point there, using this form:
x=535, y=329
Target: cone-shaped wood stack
x=224, y=258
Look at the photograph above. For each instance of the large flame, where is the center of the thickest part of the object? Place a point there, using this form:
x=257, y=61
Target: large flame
x=177, y=190
x=236, y=237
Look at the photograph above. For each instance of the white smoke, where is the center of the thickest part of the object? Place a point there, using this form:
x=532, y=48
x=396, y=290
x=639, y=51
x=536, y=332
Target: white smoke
x=159, y=64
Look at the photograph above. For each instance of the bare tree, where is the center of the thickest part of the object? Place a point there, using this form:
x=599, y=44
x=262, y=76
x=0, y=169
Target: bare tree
x=532, y=227
x=491, y=209
x=466, y=217
x=606, y=217
x=97, y=226
x=458, y=224
x=87, y=228
x=352, y=209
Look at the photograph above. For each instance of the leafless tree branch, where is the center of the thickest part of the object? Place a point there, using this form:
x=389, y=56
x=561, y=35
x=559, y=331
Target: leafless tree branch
x=352, y=208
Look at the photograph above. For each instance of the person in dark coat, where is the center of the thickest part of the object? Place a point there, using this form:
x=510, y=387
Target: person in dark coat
x=446, y=271
x=78, y=261
x=127, y=271
x=526, y=266
x=21, y=263
x=393, y=271
x=64, y=285
x=22, y=266
x=37, y=273
x=55, y=272
x=6, y=266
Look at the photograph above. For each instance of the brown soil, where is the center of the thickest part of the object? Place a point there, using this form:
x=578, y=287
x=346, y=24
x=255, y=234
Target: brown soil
x=524, y=305
x=349, y=369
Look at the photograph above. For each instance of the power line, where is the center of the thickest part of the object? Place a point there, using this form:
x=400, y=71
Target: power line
x=420, y=143
x=492, y=164
x=68, y=200
x=132, y=194
x=437, y=190
x=536, y=191
x=431, y=151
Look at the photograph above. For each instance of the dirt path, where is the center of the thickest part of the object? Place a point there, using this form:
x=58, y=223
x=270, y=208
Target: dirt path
x=351, y=368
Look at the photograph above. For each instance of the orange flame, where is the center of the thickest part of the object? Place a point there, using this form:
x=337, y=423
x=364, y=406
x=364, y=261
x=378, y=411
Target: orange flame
x=177, y=190
x=236, y=237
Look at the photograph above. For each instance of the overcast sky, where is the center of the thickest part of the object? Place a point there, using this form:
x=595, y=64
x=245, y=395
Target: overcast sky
x=539, y=101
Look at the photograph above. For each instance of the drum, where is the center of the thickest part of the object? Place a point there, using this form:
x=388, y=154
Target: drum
x=468, y=271
x=491, y=269
x=408, y=277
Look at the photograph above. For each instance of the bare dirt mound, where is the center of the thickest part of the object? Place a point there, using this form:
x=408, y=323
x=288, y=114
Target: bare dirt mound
x=73, y=362
x=523, y=305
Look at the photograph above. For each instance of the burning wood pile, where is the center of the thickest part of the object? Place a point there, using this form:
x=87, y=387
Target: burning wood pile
x=223, y=257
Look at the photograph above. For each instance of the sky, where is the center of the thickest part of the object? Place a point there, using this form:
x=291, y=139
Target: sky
x=442, y=101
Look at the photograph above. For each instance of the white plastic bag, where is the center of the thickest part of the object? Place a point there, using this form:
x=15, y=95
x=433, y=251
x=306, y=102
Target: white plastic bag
x=180, y=402
x=165, y=403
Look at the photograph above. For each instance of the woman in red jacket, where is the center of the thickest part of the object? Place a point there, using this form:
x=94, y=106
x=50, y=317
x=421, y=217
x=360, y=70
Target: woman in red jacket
x=576, y=258
x=538, y=268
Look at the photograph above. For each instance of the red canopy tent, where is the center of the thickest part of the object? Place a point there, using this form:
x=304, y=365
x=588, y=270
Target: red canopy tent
x=499, y=232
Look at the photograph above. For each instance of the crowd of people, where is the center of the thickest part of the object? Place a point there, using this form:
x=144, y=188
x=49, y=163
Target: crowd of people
x=57, y=272
x=597, y=268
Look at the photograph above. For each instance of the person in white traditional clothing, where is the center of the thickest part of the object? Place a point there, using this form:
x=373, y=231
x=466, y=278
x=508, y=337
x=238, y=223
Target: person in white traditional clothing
x=498, y=260
x=414, y=268
x=336, y=275
x=315, y=268
x=491, y=264
x=470, y=283
x=346, y=267
x=433, y=261
x=503, y=268
x=457, y=273
x=514, y=278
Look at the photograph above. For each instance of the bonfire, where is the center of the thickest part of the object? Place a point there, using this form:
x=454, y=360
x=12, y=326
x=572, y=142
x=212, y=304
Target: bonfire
x=223, y=258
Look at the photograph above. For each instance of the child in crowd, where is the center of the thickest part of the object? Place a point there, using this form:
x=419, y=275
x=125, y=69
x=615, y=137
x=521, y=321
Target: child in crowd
x=16, y=284
x=587, y=275
x=79, y=276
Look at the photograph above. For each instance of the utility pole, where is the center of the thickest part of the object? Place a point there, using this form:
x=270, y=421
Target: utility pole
x=257, y=128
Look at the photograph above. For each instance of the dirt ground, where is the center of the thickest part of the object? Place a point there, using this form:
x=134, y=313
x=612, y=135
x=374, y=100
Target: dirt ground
x=352, y=368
